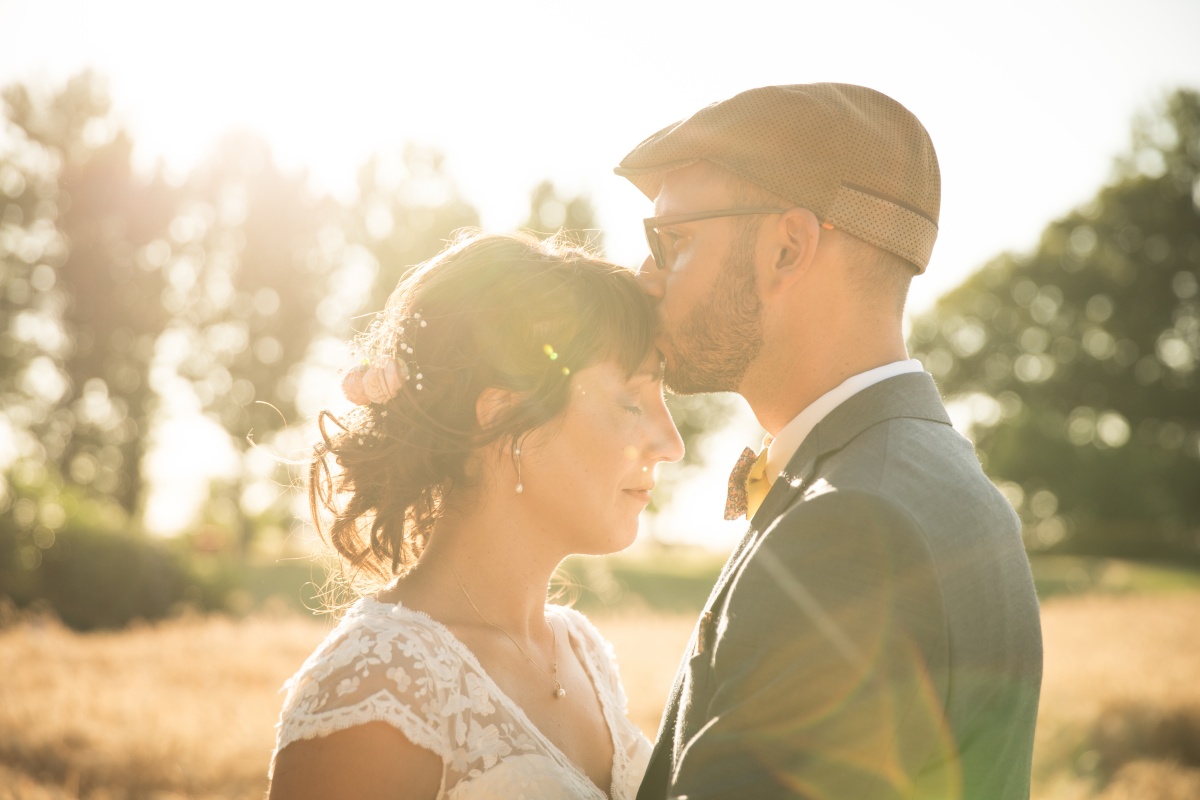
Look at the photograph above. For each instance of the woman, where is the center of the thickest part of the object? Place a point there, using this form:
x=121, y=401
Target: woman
x=509, y=413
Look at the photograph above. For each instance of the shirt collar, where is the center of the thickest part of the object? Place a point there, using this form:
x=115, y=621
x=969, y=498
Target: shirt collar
x=788, y=440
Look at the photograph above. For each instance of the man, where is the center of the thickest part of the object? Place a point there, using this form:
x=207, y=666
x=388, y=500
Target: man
x=876, y=633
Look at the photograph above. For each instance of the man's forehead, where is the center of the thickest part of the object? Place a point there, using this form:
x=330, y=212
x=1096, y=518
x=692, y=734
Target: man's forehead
x=696, y=187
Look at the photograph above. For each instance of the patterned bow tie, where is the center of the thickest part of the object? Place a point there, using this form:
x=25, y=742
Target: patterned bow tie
x=748, y=483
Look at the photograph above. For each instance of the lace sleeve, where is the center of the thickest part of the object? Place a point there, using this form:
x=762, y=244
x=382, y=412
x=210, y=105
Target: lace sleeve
x=369, y=669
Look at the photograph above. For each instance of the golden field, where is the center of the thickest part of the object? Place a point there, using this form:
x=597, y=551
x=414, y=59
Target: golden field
x=185, y=709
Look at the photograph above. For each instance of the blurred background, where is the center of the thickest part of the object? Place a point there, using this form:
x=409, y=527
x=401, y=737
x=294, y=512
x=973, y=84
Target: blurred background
x=200, y=204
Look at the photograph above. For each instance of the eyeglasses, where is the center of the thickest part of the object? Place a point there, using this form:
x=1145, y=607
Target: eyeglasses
x=654, y=223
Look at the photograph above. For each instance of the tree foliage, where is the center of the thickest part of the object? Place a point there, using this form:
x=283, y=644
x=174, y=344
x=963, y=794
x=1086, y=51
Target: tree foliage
x=80, y=309
x=407, y=209
x=550, y=212
x=245, y=270
x=1079, y=360
x=129, y=303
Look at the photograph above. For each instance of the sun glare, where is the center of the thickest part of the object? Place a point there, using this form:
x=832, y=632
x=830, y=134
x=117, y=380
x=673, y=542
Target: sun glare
x=514, y=94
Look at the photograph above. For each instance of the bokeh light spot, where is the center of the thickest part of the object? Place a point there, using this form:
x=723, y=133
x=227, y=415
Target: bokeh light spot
x=1184, y=285
x=1112, y=429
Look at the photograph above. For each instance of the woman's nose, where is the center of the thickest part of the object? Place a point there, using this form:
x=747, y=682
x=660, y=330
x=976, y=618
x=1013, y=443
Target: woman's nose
x=666, y=443
x=651, y=278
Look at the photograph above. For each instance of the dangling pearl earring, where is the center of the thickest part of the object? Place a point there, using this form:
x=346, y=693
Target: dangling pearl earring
x=517, y=456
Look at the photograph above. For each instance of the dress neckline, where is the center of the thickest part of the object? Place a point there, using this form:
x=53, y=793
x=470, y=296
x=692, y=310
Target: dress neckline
x=515, y=708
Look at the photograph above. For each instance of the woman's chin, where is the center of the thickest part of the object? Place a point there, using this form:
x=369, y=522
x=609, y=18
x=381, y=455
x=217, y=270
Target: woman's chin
x=627, y=538
x=616, y=541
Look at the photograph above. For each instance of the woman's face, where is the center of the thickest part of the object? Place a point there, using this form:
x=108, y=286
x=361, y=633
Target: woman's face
x=587, y=475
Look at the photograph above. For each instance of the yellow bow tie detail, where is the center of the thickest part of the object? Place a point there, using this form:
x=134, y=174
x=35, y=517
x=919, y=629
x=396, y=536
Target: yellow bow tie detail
x=748, y=483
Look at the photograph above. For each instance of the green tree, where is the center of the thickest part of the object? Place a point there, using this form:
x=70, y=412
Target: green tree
x=252, y=263
x=246, y=274
x=551, y=212
x=1079, y=361
x=407, y=209
x=80, y=310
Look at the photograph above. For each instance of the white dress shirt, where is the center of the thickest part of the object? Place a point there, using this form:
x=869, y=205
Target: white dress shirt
x=788, y=441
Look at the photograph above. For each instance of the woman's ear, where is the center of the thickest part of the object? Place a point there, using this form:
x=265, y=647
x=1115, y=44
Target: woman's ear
x=492, y=404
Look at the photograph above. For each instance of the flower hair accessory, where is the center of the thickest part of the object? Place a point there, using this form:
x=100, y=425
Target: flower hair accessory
x=380, y=380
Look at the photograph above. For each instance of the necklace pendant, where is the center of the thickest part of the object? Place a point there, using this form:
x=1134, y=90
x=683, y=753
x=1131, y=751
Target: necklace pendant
x=560, y=692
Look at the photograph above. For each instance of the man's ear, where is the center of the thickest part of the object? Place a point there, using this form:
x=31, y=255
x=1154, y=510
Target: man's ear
x=492, y=404
x=794, y=246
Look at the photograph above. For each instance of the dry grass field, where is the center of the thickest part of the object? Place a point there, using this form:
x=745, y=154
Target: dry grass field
x=185, y=709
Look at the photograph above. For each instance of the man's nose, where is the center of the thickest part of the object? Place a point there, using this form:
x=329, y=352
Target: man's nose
x=651, y=278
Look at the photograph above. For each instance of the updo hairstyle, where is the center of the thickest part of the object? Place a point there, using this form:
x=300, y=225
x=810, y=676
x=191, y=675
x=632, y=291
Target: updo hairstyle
x=499, y=310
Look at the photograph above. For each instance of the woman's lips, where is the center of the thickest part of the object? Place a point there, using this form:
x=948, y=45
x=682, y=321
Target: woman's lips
x=640, y=494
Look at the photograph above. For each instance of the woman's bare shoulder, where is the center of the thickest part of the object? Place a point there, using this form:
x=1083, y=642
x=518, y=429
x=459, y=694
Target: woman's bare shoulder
x=367, y=761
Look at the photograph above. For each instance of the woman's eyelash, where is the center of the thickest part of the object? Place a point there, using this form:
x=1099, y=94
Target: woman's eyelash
x=633, y=409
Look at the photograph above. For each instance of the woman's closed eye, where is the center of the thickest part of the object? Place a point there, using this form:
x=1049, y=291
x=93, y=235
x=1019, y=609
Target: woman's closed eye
x=630, y=399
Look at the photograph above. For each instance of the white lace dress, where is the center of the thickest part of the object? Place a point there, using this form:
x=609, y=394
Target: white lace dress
x=384, y=662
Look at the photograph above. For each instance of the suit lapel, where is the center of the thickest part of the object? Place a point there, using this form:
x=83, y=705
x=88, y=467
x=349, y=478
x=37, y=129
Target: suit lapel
x=662, y=758
x=911, y=395
x=730, y=564
x=772, y=505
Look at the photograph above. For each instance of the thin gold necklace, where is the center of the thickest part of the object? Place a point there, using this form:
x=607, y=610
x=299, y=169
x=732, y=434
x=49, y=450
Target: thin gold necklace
x=559, y=691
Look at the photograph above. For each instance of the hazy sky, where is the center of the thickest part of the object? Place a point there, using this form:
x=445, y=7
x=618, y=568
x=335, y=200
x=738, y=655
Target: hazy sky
x=1027, y=102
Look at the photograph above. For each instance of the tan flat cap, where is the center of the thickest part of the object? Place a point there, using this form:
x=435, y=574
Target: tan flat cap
x=853, y=156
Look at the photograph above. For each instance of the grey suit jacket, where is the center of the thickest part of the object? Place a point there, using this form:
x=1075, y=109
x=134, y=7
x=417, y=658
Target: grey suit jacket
x=874, y=635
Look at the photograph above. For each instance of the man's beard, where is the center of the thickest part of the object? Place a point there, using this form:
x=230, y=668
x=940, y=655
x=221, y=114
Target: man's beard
x=713, y=346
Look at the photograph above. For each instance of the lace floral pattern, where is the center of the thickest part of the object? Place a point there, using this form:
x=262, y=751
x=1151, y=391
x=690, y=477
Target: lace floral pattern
x=387, y=663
